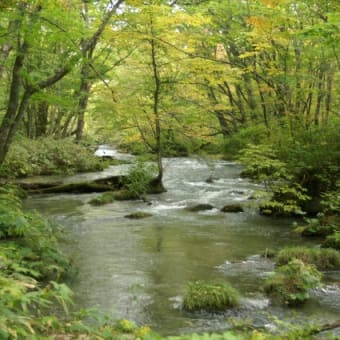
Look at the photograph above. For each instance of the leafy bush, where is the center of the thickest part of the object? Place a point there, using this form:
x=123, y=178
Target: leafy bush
x=291, y=283
x=315, y=227
x=137, y=182
x=48, y=156
x=263, y=165
x=210, y=296
x=323, y=259
x=239, y=141
x=332, y=241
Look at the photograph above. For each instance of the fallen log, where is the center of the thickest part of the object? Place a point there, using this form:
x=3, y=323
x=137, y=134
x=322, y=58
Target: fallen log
x=98, y=185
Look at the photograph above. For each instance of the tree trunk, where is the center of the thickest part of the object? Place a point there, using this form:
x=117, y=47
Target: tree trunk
x=156, y=94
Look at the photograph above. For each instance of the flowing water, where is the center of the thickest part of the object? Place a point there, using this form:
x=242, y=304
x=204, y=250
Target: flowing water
x=138, y=269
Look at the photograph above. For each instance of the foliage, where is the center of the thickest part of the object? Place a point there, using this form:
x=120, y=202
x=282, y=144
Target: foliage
x=240, y=140
x=263, y=165
x=316, y=227
x=333, y=241
x=323, y=259
x=291, y=283
x=210, y=296
x=48, y=156
x=29, y=260
x=137, y=182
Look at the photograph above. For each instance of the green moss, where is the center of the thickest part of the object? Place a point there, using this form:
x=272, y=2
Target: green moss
x=291, y=283
x=105, y=198
x=124, y=195
x=323, y=259
x=199, y=207
x=138, y=215
x=210, y=296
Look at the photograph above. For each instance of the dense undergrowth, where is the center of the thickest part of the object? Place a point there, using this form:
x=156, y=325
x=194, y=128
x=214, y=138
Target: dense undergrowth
x=48, y=156
x=34, y=301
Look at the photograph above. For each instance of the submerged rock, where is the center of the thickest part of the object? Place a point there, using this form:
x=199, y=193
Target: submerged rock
x=232, y=208
x=138, y=215
x=200, y=207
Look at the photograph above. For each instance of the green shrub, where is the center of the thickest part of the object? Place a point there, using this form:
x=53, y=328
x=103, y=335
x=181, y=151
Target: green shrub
x=137, y=182
x=323, y=259
x=316, y=227
x=210, y=296
x=48, y=156
x=291, y=283
x=332, y=241
x=240, y=140
x=285, y=195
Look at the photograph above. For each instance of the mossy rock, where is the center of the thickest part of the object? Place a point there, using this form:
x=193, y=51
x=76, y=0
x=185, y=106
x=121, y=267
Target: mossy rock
x=232, y=208
x=124, y=195
x=323, y=259
x=291, y=283
x=105, y=198
x=138, y=215
x=200, y=207
x=207, y=296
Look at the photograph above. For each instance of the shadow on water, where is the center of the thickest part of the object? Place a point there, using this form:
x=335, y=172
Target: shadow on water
x=137, y=269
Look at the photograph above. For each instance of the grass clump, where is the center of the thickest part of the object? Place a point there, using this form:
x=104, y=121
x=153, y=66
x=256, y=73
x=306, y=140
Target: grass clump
x=201, y=295
x=291, y=283
x=322, y=258
x=105, y=198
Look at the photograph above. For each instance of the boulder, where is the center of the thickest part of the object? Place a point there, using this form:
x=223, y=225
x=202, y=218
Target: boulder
x=138, y=215
x=200, y=207
x=232, y=208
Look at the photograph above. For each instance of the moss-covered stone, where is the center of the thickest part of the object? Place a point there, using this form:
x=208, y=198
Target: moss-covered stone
x=200, y=207
x=105, y=198
x=124, y=195
x=138, y=215
x=232, y=208
x=207, y=296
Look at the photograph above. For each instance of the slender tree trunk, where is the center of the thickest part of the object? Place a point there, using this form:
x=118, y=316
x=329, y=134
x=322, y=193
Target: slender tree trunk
x=156, y=94
x=219, y=114
x=84, y=94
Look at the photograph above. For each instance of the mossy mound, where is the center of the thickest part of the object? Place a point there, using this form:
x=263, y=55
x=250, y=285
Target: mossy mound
x=232, y=208
x=323, y=259
x=291, y=283
x=105, y=198
x=124, y=195
x=199, y=207
x=207, y=296
x=138, y=215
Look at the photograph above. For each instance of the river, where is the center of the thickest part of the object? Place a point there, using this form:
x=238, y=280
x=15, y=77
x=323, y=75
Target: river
x=138, y=269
